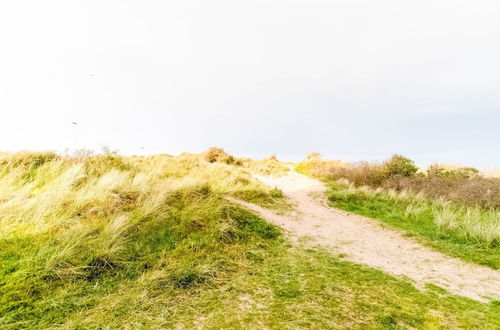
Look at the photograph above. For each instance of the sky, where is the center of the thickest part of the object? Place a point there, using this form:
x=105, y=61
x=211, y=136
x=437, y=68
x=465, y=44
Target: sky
x=354, y=79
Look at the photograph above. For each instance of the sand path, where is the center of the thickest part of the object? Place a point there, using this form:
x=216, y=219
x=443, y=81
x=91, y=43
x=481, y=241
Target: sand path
x=365, y=241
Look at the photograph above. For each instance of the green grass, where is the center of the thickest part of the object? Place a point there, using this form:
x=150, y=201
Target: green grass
x=114, y=242
x=271, y=199
x=214, y=265
x=199, y=242
x=417, y=217
x=263, y=282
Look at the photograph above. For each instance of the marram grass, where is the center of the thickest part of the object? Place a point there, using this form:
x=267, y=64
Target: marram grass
x=106, y=241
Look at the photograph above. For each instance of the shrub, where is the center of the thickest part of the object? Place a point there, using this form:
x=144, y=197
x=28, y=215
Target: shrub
x=476, y=191
x=214, y=154
x=360, y=174
x=399, y=165
x=452, y=173
x=463, y=185
x=313, y=155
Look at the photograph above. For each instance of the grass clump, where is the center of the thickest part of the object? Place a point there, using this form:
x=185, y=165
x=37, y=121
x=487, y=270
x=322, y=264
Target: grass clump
x=267, y=166
x=270, y=198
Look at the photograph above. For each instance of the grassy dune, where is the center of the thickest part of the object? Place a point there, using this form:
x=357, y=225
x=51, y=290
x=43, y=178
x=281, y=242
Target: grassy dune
x=75, y=228
x=105, y=241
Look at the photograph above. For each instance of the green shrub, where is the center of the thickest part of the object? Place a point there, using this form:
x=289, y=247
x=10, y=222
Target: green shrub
x=453, y=174
x=398, y=165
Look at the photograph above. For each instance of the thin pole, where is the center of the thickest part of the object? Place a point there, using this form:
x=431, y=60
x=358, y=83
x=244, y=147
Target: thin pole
x=75, y=124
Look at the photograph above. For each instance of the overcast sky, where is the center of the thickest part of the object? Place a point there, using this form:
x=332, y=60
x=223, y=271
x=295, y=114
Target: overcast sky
x=353, y=79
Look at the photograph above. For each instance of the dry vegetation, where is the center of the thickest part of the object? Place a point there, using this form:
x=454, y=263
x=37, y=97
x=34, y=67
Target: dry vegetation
x=464, y=185
x=45, y=191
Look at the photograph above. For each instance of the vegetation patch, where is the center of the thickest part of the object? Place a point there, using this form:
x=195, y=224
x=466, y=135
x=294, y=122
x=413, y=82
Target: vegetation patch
x=472, y=234
x=464, y=185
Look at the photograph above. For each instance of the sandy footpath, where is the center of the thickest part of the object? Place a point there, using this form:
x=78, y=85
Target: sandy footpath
x=365, y=241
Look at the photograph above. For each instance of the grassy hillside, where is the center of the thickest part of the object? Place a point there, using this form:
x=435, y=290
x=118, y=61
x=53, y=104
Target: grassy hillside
x=455, y=211
x=105, y=241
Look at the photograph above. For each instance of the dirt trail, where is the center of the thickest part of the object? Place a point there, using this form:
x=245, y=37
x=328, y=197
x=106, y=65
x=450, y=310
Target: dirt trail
x=365, y=241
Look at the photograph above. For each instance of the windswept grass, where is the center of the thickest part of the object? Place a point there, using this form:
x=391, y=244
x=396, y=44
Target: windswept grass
x=75, y=228
x=279, y=287
x=105, y=241
x=43, y=191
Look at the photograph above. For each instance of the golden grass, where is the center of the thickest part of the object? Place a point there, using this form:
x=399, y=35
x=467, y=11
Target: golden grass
x=43, y=191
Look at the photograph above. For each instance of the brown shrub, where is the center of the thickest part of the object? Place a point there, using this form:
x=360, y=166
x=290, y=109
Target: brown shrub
x=476, y=191
x=462, y=185
x=273, y=157
x=218, y=155
x=484, y=192
x=313, y=155
x=360, y=174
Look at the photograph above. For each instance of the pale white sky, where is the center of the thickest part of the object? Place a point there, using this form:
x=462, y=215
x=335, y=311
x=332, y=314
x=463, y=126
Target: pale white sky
x=353, y=79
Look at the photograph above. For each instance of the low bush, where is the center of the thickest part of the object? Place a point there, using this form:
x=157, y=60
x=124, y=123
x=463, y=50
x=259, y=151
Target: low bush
x=447, y=172
x=215, y=154
x=464, y=185
x=398, y=165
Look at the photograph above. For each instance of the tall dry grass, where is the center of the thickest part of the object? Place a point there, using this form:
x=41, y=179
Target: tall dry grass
x=463, y=185
x=70, y=197
x=76, y=225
